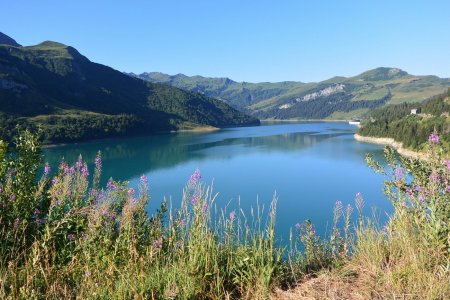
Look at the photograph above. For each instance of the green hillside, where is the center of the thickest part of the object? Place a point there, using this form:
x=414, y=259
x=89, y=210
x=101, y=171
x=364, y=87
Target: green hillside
x=337, y=97
x=397, y=122
x=53, y=86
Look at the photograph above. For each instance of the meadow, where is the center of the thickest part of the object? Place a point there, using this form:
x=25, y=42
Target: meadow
x=65, y=236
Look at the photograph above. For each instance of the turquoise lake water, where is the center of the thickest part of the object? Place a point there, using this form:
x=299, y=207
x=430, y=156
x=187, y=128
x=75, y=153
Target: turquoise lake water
x=308, y=165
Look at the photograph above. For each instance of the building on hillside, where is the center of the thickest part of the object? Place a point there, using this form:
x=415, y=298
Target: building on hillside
x=415, y=111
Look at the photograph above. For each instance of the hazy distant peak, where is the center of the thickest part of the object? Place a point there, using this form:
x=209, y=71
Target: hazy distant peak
x=6, y=40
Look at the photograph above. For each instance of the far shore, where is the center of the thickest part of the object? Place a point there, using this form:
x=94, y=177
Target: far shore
x=392, y=143
x=303, y=120
x=194, y=129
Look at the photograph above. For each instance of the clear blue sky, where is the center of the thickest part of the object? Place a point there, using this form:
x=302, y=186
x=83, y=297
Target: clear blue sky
x=302, y=40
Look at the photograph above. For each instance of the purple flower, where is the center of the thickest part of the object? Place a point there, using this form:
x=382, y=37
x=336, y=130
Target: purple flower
x=104, y=212
x=110, y=185
x=1, y=189
x=182, y=222
x=195, y=177
x=298, y=226
x=144, y=179
x=55, y=181
x=71, y=237
x=434, y=138
x=98, y=161
x=410, y=193
x=422, y=198
x=398, y=173
x=87, y=274
x=47, y=169
x=36, y=212
x=157, y=243
x=338, y=204
x=85, y=171
x=232, y=215
x=130, y=192
x=16, y=223
x=68, y=170
x=434, y=176
x=79, y=163
x=12, y=197
x=195, y=199
x=447, y=163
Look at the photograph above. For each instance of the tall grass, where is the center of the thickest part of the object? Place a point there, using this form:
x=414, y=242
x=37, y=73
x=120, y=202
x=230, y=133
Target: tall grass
x=64, y=236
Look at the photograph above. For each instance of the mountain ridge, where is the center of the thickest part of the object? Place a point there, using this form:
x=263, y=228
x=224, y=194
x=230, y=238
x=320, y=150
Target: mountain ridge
x=280, y=100
x=53, y=86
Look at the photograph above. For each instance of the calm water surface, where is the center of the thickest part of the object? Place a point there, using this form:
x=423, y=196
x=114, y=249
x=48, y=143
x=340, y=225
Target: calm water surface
x=308, y=165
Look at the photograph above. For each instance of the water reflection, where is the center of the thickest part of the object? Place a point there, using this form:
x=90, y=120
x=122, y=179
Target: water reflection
x=310, y=165
x=128, y=158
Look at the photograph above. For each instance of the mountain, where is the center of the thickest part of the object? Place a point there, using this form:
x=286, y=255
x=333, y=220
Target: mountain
x=53, y=86
x=6, y=40
x=411, y=123
x=335, y=98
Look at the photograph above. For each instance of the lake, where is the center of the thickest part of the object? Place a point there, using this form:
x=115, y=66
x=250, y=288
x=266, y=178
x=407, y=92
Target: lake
x=309, y=165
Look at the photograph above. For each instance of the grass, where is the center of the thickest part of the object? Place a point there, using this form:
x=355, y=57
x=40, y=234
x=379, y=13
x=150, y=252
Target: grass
x=64, y=236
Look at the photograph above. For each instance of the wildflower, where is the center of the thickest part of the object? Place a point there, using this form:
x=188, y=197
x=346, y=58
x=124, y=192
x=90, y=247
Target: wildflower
x=16, y=223
x=144, y=179
x=195, y=177
x=79, y=163
x=104, y=212
x=68, y=170
x=98, y=161
x=410, y=193
x=92, y=192
x=157, y=243
x=434, y=176
x=85, y=171
x=434, y=138
x=100, y=197
x=12, y=198
x=55, y=181
x=130, y=192
x=71, y=237
x=87, y=274
x=63, y=165
x=398, y=173
x=232, y=215
x=195, y=199
x=1, y=189
x=182, y=222
x=447, y=163
x=298, y=226
x=36, y=212
x=110, y=185
x=47, y=169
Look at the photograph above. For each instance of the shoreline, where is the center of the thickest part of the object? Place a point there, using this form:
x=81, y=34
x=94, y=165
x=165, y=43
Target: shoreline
x=302, y=120
x=194, y=129
x=392, y=143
